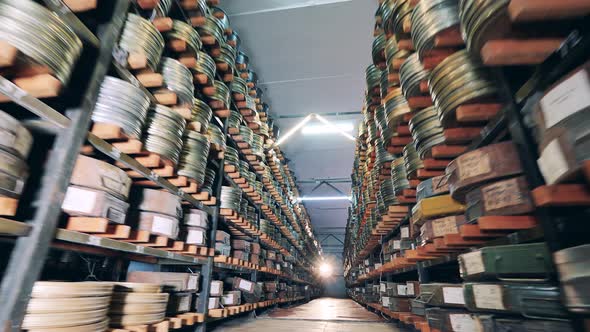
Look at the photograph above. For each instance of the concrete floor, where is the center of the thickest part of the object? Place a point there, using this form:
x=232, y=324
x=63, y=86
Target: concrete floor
x=320, y=315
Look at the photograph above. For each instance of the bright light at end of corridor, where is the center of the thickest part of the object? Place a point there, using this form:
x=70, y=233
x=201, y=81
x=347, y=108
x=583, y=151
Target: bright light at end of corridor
x=325, y=270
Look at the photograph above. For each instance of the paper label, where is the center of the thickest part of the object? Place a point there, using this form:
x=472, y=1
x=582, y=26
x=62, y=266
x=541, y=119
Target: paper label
x=410, y=288
x=196, y=219
x=246, y=285
x=185, y=303
x=216, y=288
x=405, y=232
x=568, y=97
x=397, y=244
x=385, y=301
x=488, y=297
x=195, y=237
x=453, y=295
x=378, y=266
x=402, y=290
x=163, y=226
x=443, y=226
x=79, y=200
x=383, y=287
x=473, y=263
x=213, y=303
x=440, y=184
x=462, y=323
x=502, y=194
x=193, y=282
x=473, y=164
x=552, y=162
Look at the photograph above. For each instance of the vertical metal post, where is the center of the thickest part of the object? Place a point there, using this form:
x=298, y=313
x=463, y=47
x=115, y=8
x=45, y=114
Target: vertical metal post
x=28, y=256
x=207, y=269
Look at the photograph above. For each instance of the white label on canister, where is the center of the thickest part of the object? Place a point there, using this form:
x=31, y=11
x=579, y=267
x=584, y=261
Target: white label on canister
x=402, y=290
x=245, y=285
x=162, y=225
x=385, y=301
x=397, y=244
x=193, y=282
x=552, y=162
x=79, y=200
x=453, y=295
x=488, y=297
x=383, y=287
x=473, y=263
x=216, y=288
x=462, y=322
x=195, y=237
x=567, y=98
x=405, y=232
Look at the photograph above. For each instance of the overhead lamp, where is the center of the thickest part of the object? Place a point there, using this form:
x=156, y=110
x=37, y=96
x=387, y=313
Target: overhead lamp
x=324, y=198
x=294, y=129
x=329, y=125
x=334, y=127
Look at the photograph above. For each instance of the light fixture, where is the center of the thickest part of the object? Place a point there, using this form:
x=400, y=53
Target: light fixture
x=294, y=129
x=331, y=126
x=334, y=127
x=325, y=129
x=324, y=198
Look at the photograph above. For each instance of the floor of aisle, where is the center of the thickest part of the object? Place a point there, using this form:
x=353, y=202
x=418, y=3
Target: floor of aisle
x=320, y=315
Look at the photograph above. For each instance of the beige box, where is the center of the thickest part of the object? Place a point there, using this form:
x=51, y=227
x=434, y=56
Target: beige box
x=216, y=288
x=97, y=174
x=231, y=298
x=213, y=303
x=86, y=202
x=172, y=281
x=243, y=285
x=196, y=218
x=158, y=201
x=158, y=224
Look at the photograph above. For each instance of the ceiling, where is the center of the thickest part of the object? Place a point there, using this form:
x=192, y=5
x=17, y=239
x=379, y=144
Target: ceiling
x=310, y=57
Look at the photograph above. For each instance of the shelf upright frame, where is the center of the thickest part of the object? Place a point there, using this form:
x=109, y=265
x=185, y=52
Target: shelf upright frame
x=29, y=253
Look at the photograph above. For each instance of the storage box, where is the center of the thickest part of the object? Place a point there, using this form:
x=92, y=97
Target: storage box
x=97, y=174
x=231, y=298
x=157, y=224
x=240, y=245
x=213, y=303
x=255, y=259
x=510, y=261
x=195, y=235
x=157, y=201
x=171, y=281
x=179, y=303
x=223, y=237
x=196, y=218
x=238, y=254
x=216, y=288
x=255, y=248
x=87, y=202
x=243, y=285
x=222, y=249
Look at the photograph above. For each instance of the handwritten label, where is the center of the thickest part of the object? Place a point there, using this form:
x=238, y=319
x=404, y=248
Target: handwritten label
x=473, y=164
x=440, y=184
x=502, y=194
x=453, y=295
x=567, y=98
x=472, y=263
x=443, y=226
x=488, y=297
x=462, y=323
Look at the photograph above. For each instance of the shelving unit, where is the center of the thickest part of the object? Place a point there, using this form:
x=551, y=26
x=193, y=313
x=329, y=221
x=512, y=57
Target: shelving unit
x=559, y=225
x=35, y=236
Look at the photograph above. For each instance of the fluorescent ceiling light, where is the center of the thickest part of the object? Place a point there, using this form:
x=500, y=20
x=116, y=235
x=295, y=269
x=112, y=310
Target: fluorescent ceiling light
x=334, y=127
x=294, y=129
x=324, y=198
x=325, y=129
x=327, y=125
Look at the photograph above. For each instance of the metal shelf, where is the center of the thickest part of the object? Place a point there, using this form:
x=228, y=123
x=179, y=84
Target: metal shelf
x=125, y=247
x=14, y=228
